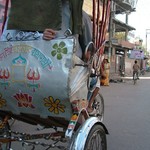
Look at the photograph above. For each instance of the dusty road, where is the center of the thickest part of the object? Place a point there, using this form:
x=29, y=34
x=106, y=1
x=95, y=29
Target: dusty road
x=127, y=114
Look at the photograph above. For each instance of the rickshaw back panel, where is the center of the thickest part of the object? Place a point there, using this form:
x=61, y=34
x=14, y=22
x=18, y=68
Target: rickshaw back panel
x=35, y=78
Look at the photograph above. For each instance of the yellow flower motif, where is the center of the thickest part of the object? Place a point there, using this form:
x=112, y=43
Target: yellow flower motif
x=54, y=106
x=2, y=101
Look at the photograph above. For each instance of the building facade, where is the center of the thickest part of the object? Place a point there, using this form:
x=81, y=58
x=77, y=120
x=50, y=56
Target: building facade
x=118, y=37
x=118, y=46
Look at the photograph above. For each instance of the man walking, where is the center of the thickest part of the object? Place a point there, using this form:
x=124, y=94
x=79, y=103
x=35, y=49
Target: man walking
x=136, y=68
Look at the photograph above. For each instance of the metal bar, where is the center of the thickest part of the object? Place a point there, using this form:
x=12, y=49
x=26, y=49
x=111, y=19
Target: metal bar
x=97, y=21
x=94, y=21
x=5, y=14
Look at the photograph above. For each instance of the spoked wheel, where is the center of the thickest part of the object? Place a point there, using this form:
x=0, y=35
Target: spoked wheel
x=99, y=106
x=4, y=132
x=96, y=139
x=135, y=79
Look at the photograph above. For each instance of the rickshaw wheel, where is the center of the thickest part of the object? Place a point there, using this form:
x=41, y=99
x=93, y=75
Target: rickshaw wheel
x=99, y=106
x=96, y=139
x=4, y=132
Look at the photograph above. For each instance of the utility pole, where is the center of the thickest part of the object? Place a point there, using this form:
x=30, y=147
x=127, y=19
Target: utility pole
x=147, y=32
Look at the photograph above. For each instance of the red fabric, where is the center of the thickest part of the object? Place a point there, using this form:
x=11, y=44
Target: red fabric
x=5, y=14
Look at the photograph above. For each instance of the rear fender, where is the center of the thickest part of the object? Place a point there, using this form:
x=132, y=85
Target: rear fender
x=79, y=139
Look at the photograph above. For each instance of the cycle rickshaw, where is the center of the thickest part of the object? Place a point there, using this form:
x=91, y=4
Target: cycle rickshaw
x=43, y=88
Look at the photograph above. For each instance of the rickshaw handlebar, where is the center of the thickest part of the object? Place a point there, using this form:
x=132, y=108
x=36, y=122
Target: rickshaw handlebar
x=83, y=65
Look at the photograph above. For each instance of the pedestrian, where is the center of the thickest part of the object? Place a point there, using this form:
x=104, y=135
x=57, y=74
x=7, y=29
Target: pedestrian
x=106, y=72
x=136, y=69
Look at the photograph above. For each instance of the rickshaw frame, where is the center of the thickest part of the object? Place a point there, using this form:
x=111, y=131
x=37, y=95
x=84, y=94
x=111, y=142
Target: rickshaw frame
x=77, y=137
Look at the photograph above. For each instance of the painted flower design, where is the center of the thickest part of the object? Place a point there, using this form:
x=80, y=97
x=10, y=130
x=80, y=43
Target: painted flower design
x=54, y=105
x=2, y=101
x=24, y=100
x=58, y=50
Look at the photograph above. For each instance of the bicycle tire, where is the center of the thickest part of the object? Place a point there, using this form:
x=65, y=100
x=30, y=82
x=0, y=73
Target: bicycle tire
x=135, y=79
x=96, y=139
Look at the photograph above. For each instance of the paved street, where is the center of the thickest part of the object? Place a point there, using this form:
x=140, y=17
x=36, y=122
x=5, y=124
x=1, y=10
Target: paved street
x=127, y=114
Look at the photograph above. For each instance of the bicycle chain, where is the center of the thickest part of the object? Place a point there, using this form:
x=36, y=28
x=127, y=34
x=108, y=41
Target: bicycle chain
x=23, y=137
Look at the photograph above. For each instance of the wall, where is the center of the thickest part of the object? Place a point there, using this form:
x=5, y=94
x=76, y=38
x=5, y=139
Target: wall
x=128, y=66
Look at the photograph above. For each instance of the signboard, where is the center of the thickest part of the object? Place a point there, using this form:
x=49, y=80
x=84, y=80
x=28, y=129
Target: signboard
x=137, y=54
